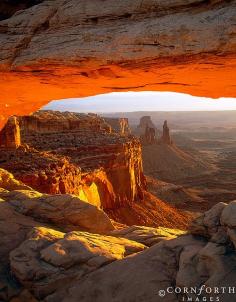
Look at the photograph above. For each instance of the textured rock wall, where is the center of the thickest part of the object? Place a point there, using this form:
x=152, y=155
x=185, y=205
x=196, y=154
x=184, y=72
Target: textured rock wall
x=68, y=49
x=53, y=121
x=77, y=154
x=119, y=125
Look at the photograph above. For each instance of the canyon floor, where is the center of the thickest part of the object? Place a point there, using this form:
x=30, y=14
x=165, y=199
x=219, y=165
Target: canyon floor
x=211, y=181
x=199, y=169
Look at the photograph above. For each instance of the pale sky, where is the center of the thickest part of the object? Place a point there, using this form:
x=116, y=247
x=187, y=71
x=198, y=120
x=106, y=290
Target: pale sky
x=142, y=101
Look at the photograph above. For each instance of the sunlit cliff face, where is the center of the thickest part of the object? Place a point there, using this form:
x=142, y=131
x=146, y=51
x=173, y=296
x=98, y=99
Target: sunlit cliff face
x=68, y=49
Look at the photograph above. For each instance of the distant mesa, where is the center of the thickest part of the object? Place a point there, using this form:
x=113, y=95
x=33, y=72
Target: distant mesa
x=150, y=135
x=145, y=121
x=146, y=130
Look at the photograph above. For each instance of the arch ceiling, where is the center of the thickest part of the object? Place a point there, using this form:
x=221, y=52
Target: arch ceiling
x=62, y=49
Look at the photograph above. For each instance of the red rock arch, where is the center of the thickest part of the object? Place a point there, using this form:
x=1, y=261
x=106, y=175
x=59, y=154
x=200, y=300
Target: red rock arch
x=68, y=49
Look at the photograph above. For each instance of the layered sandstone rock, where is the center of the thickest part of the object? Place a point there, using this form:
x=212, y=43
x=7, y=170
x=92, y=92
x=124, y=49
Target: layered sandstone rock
x=48, y=260
x=149, y=137
x=147, y=131
x=10, y=135
x=68, y=49
x=187, y=261
x=166, y=139
x=22, y=210
x=61, y=210
x=119, y=125
x=78, y=155
x=8, y=182
x=145, y=121
x=146, y=235
x=53, y=264
x=54, y=121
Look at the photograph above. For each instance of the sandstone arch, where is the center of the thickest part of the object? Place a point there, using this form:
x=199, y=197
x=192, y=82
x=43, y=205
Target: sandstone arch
x=61, y=49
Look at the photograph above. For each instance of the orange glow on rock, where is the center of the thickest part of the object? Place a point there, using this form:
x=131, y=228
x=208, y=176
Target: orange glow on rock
x=27, y=89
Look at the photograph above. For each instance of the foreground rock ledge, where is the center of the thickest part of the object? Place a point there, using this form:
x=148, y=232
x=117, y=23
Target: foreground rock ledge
x=43, y=260
x=61, y=49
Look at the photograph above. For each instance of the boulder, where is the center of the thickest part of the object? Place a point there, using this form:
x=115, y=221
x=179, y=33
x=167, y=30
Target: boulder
x=228, y=216
x=139, y=277
x=232, y=235
x=208, y=223
x=62, y=210
x=49, y=260
x=212, y=217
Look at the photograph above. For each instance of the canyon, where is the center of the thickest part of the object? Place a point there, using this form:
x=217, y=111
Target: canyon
x=90, y=212
x=64, y=49
x=197, y=169
x=82, y=154
x=76, y=153
x=60, y=248
x=78, y=217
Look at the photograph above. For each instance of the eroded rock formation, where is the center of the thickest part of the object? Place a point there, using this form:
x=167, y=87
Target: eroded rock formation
x=10, y=137
x=60, y=258
x=119, y=125
x=44, y=258
x=49, y=241
x=145, y=121
x=136, y=45
x=54, y=121
x=166, y=139
x=188, y=261
x=149, y=136
x=78, y=154
x=146, y=130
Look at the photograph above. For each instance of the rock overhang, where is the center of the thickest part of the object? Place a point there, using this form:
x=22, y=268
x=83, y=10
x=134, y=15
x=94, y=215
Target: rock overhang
x=62, y=49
